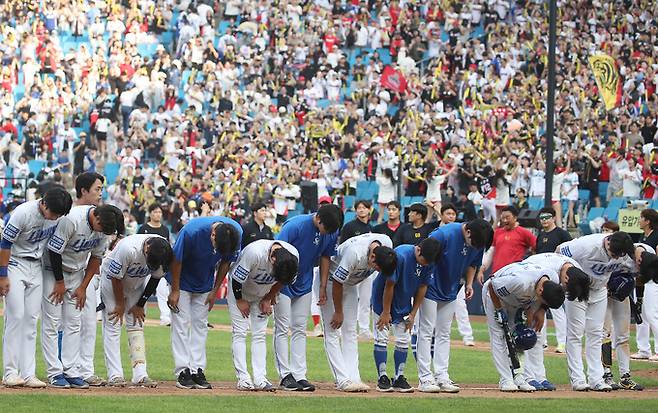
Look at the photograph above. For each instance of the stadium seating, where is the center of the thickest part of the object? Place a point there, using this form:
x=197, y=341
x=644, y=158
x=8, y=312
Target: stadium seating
x=111, y=173
x=348, y=201
x=535, y=202
x=36, y=166
x=611, y=213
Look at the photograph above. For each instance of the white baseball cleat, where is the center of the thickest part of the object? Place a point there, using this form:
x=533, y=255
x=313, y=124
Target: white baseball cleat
x=34, y=383
x=580, y=386
x=640, y=356
x=561, y=348
x=448, y=387
x=525, y=387
x=508, y=386
x=317, y=330
x=13, y=381
x=428, y=386
x=265, y=386
x=349, y=387
x=244, y=385
x=601, y=386
x=654, y=357
x=469, y=343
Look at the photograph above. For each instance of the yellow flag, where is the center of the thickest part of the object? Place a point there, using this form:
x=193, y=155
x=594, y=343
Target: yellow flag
x=607, y=79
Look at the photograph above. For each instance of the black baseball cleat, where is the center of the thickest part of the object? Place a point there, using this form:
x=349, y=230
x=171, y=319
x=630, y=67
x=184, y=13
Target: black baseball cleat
x=627, y=383
x=200, y=381
x=290, y=384
x=305, y=385
x=384, y=384
x=401, y=385
x=185, y=380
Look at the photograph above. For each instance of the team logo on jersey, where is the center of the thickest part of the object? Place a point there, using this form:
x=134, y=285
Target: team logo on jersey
x=502, y=292
x=419, y=270
x=316, y=240
x=464, y=250
x=600, y=269
x=137, y=271
x=40, y=235
x=85, y=244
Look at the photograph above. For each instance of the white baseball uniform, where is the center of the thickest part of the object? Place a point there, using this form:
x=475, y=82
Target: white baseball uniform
x=25, y=234
x=350, y=268
x=126, y=262
x=254, y=271
x=650, y=320
x=75, y=240
x=515, y=286
x=587, y=317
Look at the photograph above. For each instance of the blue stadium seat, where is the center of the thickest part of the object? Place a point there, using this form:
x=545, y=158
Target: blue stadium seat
x=617, y=202
x=603, y=190
x=655, y=204
x=595, y=212
x=611, y=213
x=293, y=213
x=349, y=216
x=535, y=202
x=349, y=201
x=418, y=200
x=583, y=196
x=111, y=172
x=406, y=201
x=36, y=166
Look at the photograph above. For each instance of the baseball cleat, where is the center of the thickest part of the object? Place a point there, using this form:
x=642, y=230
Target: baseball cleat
x=246, y=385
x=366, y=335
x=449, y=387
x=561, y=348
x=13, y=381
x=548, y=386
x=146, y=382
x=349, y=387
x=525, y=387
x=34, y=383
x=59, y=382
x=428, y=386
x=117, y=382
x=265, y=386
x=401, y=385
x=601, y=386
x=537, y=385
x=200, y=381
x=640, y=356
x=469, y=343
x=95, y=381
x=508, y=386
x=184, y=380
x=610, y=381
x=77, y=383
x=580, y=386
x=384, y=384
x=654, y=357
x=305, y=385
x=289, y=383
x=627, y=383
x=317, y=331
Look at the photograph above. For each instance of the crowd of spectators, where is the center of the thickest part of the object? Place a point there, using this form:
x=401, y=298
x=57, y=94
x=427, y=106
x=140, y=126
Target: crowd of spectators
x=209, y=106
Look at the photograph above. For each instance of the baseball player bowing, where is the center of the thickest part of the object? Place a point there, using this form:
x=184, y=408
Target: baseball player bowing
x=73, y=258
x=616, y=327
x=314, y=236
x=533, y=286
x=264, y=266
x=599, y=255
x=203, y=253
x=462, y=247
x=395, y=303
x=23, y=242
x=124, y=291
x=356, y=260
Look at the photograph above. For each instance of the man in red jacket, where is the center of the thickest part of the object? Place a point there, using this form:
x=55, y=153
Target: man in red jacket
x=511, y=243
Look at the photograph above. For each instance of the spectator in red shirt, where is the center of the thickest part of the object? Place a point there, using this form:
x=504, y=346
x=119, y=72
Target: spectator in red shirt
x=511, y=243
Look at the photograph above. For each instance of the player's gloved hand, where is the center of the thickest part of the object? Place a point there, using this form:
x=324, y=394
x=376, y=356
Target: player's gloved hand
x=243, y=306
x=384, y=321
x=336, y=320
x=4, y=286
x=138, y=315
x=116, y=315
x=80, y=295
x=500, y=317
x=57, y=296
x=172, y=301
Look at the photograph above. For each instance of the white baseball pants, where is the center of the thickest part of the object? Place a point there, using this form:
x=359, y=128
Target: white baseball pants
x=341, y=345
x=461, y=315
x=257, y=323
x=560, y=323
x=291, y=314
x=112, y=331
x=402, y=336
x=434, y=318
x=21, y=311
x=88, y=330
x=618, y=326
x=649, y=320
x=162, y=294
x=364, y=295
x=66, y=317
x=189, y=331
x=586, y=319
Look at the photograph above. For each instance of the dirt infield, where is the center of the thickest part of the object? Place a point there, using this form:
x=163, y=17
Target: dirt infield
x=327, y=390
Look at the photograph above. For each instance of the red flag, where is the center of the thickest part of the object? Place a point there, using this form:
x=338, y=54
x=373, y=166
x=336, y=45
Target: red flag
x=393, y=79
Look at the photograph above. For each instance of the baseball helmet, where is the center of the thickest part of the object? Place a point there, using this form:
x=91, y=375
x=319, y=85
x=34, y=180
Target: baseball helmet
x=621, y=285
x=524, y=338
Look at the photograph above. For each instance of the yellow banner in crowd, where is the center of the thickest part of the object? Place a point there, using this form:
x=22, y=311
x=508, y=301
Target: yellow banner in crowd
x=607, y=79
x=629, y=221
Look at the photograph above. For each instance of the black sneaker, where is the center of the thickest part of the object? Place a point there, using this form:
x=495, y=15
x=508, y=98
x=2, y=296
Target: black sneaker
x=290, y=384
x=200, y=381
x=627, y=383
x=185, y=380
x=401, y=385
x=210, y=325
x=610, y=381
x=384, y=384
x=305, y=385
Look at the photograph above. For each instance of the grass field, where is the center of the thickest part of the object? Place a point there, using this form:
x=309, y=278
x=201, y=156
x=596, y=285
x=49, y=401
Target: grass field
x=467, y=366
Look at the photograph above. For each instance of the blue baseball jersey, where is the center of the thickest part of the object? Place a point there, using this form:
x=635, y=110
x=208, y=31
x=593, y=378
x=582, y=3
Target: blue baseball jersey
x=301, y=233
x=408, y=276
x=455, y=258
x=194, y=250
